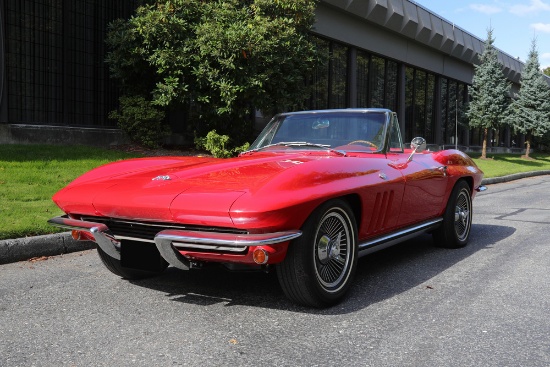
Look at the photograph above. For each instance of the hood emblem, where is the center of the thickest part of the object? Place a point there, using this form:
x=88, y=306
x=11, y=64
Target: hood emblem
x=161, y=178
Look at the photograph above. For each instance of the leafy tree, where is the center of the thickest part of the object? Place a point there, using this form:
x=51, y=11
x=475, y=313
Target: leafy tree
x=546, y=71
x=530, y=111
x=222, y=58
x=489, y=92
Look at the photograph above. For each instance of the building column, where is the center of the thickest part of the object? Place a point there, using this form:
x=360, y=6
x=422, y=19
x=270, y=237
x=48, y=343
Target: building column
x=401, y=89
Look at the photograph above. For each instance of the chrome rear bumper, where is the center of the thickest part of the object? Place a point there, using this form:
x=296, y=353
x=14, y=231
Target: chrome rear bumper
x=170, y=242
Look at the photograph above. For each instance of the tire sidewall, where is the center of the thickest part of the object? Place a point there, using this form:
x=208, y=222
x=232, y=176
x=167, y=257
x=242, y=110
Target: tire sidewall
x=309, y=251
x=449, y=237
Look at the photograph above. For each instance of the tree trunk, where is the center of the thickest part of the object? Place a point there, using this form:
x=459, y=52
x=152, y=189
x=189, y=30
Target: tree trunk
x=484, y=149
x=528, y=146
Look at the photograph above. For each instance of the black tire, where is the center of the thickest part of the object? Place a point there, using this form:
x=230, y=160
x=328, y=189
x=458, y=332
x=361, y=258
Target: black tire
x=115, y=267
x=319, y=265
x=457, y=220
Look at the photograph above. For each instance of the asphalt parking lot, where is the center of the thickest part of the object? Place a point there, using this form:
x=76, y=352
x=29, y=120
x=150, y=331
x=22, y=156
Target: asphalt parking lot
x=411, y=305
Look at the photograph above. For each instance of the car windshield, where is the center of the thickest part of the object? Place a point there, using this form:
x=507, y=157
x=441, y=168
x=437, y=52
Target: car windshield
x=343, y=130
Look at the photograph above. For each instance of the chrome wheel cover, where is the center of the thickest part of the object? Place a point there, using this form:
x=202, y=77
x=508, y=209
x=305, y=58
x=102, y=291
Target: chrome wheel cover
x=463, y=215
x=333, y=250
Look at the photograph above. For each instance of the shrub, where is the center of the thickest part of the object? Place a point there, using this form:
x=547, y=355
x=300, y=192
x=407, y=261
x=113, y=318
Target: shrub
x=141, y=120
x=216, y=145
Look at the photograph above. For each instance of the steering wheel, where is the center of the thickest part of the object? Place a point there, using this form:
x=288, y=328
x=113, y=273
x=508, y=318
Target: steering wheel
x=363, y=142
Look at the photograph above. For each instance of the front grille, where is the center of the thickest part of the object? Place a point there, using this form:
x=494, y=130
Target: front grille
x=146, y=231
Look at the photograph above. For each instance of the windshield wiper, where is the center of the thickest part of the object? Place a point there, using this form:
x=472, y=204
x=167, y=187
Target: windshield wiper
x=298, y=144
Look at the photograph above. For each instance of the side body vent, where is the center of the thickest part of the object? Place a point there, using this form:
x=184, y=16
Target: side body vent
x=379, y=218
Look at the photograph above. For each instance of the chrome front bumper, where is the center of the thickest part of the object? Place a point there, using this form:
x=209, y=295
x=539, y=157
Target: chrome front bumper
x=102, y=234
x=169, y=241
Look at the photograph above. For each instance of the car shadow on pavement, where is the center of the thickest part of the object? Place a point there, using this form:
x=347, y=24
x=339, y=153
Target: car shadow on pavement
x=379, y=276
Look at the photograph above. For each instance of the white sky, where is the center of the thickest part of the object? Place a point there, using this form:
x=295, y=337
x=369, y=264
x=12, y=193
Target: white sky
x=514, y=23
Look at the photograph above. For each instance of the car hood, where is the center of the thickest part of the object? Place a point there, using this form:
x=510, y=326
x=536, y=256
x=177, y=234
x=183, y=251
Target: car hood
x=183, y=189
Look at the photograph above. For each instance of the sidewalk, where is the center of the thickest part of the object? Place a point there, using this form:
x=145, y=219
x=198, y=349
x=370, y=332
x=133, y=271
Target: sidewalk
x=22, y=249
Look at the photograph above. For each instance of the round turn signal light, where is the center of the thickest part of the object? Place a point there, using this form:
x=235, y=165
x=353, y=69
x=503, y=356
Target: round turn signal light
x=77, y=235
x=260, y=256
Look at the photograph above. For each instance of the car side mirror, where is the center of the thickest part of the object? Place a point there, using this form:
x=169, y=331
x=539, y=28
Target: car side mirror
x=418, y=144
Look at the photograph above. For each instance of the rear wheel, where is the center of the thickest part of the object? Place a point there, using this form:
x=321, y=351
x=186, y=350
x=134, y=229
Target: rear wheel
x=457, y=220
x=319, y=265
x=115, y=267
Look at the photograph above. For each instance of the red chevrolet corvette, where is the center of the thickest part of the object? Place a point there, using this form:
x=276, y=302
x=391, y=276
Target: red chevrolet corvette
x=316, y=190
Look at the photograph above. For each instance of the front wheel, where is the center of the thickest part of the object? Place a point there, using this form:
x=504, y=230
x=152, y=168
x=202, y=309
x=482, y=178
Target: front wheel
x=457, y=220
x=319, y=265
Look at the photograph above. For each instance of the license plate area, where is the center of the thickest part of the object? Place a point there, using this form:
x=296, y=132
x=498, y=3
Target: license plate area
x=140, y=256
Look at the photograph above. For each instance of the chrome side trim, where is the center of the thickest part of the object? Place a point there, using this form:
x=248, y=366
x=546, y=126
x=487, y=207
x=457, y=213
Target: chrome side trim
x=227, y=239
x=102, y=234
x=179, y=245
x=391, y=239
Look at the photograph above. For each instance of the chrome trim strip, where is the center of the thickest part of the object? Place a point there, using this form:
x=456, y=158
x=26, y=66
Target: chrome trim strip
x=183, y=246
x=385, y=241
x=102, y=234
x=134, y=239
x=227, y=239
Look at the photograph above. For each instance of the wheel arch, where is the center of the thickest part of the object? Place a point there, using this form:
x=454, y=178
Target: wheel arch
x=354, y=201
x=469, y=180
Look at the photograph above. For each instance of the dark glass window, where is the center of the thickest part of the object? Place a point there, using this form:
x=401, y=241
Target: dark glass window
x=452, y=115
x=363, y=61
x=409, y=104
x=338, y=76
x=376, y=81
x=460, y=117
x=429, y=133
x=419, y=105
x=320, y=80
x=391, y=85
x=55, y=54
x=444, y=108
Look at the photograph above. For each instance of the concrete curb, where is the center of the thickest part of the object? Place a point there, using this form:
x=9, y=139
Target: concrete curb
x=515, y=176
x=21, y=249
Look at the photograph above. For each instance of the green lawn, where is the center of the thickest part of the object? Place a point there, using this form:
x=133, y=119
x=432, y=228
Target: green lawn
x=505, y=164
x=31, y=174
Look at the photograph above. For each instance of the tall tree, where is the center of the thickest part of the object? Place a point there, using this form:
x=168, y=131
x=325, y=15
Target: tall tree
x=489, y=93
x=546, y=71
x=530, y=110
x=224, y=58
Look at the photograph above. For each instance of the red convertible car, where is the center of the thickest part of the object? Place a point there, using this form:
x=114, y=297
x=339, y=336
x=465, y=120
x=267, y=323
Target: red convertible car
x=316, y=190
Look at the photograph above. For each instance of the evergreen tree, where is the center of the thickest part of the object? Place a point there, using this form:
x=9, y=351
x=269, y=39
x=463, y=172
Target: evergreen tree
x=530, y=111
x=489, y=92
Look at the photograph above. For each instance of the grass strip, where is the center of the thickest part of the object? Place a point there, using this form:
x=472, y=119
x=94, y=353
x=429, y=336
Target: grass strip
x=499, y=165
x=31, y=174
